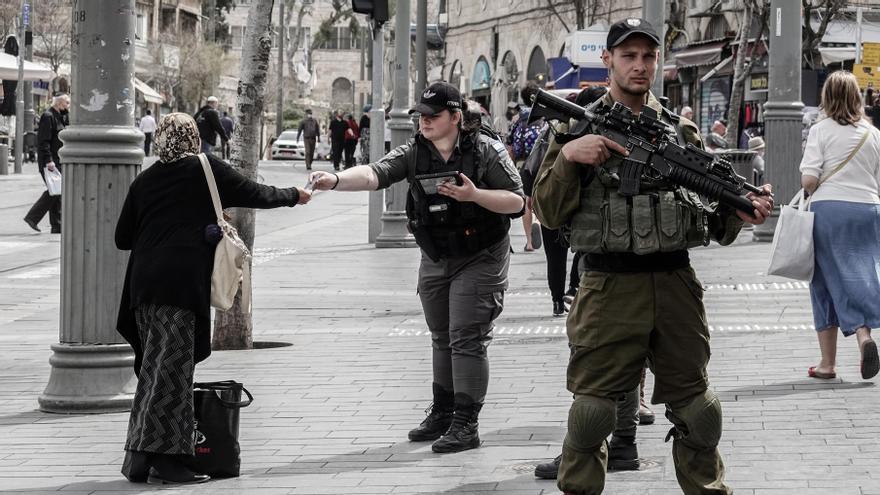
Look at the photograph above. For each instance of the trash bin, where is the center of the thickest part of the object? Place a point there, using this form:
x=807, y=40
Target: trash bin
x=741, y=160
x=4, y=159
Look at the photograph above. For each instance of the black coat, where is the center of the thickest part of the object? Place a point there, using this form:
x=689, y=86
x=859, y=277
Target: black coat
x=208, y=121
x=52, y=122
x=163, y=223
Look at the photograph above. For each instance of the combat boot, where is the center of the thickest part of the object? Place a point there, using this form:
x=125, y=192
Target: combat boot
x=439, y=417
x=623, y=455
x=463, y=433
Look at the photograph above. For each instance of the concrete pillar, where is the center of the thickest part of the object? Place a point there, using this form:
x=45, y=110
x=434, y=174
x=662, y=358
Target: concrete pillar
x=783, y=116
x=377, y=126
x=102, y=153
x=282, y=41
x=394, y=231
x=654, y=11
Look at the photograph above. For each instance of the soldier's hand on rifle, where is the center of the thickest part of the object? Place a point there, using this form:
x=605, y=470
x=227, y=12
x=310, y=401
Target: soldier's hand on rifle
x=591, y=149
x=763, y=204
x=465, y=192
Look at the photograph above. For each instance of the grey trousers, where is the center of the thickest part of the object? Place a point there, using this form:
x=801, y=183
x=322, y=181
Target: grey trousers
x=461, y=297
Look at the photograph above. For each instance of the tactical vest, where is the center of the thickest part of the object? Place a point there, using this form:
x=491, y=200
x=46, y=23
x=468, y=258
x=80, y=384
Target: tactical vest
x=442, y=226
x=663, y=217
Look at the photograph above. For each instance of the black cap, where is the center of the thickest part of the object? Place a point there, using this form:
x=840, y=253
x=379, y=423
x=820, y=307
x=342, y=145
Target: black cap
x=438, y=97
x=626, y=28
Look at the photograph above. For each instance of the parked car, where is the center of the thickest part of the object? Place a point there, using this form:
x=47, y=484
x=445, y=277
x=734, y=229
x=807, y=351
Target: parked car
x=288, y=147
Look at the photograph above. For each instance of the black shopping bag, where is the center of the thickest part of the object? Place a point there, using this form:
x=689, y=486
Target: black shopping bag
x=217, y=406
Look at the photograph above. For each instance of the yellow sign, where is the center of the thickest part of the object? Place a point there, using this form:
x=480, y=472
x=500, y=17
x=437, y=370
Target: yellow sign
x=871, y=54
x=867, y=75
x=759, y=82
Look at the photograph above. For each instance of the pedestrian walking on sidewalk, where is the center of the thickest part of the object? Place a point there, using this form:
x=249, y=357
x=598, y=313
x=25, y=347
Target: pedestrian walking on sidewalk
x=841, y=172
x=169, y=225
x=521, y=139
x=311, y=134
x=208, y=120
x=52, y=122
x=460, y=220
x=352, y=135
x=148, y=127
x=631, y=306
x=338, y=129
x=364, y=125
x=228, y=124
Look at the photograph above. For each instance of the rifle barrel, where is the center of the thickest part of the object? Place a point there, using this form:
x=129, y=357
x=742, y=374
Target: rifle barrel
x=561, y=105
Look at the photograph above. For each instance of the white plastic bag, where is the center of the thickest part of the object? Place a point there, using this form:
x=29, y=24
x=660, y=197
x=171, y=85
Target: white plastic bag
x=53, y=182
x=791, y=255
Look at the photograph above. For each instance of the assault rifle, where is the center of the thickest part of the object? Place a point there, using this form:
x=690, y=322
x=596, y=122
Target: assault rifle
x=652, y=151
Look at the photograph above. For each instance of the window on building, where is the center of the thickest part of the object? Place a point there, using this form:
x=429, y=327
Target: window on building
x=342, y=38
x=140, y=27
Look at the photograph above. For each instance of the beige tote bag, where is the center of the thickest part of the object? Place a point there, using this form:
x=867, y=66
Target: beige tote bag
x=231, y=258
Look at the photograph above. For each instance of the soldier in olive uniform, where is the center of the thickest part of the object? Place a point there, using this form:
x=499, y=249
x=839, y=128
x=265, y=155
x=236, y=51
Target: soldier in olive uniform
x=460, y=222
x=638, y=296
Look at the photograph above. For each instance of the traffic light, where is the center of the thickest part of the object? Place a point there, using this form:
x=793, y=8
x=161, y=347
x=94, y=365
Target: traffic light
x=377, y=9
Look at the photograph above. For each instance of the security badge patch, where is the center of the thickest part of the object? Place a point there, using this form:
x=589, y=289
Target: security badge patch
x=634, y=22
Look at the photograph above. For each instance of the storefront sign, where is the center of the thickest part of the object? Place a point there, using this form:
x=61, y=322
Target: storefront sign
x=871, y=54
x=758, y=82
x=867, y=75
x=586, y=48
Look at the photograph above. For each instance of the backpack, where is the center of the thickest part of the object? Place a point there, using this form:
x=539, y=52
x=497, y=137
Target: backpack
x=524, y=135
x=529, y=171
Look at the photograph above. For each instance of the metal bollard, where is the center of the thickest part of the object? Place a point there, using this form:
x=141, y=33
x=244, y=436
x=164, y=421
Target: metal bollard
x=4, y=159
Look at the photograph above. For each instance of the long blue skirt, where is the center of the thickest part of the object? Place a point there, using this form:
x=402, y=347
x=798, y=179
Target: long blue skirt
x=845, y=290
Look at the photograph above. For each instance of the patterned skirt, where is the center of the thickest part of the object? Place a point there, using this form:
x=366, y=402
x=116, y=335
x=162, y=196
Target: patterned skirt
x=162, y=412
x=365, y=146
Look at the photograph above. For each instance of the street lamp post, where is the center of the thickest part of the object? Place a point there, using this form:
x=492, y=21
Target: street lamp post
x=92, y=365
x=377, y=125
x=21, y=93
x=394, y=224
x=783, y=116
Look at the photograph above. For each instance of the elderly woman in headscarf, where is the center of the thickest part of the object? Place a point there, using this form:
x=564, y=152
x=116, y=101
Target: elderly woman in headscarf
x=169, y=225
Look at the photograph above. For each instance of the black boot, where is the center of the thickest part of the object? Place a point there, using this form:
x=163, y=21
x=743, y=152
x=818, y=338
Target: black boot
x=169, y=470
x=548, y=470
x=623, y=455
x=558, y=308
x=462, y=434
x=439, y=417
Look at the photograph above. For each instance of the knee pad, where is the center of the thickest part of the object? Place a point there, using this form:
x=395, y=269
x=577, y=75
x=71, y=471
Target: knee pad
x=697, y=420
x=590, y=420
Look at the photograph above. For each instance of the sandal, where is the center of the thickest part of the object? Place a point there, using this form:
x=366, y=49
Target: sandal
x=812, y=373
x=870, y=365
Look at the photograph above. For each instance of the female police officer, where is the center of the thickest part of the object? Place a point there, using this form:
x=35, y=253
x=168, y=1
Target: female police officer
x=460, y=221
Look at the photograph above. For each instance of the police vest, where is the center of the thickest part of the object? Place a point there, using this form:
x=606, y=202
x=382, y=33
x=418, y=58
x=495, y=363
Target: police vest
x=663, y=217
x=442, y=226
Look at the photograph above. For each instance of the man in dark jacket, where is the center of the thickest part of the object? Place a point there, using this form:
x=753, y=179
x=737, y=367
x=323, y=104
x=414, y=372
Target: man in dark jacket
x=311, y=133
x=337, y=138
x=208, y=120
x=52, y=122
x=228, y=126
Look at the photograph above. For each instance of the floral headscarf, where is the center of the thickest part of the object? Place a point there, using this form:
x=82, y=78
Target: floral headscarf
x=177, y=136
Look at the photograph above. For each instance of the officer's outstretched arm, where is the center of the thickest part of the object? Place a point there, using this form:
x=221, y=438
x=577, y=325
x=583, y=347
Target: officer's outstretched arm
x=359, y=178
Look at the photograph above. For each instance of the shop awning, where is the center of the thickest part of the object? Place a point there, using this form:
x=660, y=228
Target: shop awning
x=716, y=68
x=33, y=71
x=150, y=95
x=700, y=55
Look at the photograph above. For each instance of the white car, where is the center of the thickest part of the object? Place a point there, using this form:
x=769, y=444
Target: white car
x=287, y=147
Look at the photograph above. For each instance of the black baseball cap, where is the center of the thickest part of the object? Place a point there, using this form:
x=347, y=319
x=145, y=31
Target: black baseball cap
x=623, y=30
x=438, y=97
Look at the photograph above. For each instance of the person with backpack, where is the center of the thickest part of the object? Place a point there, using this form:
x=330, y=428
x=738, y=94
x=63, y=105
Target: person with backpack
x=208, y=121
x=463, y=191
x=521, y=139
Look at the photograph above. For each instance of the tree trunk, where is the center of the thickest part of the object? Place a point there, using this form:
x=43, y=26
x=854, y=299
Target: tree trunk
x=740, y=73
x=233, y=329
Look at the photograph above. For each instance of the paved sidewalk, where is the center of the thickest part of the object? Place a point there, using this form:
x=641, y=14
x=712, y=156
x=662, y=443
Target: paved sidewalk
x=331, y=411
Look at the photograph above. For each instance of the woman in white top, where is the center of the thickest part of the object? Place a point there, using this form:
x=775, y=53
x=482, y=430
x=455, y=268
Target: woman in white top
x=845, y=290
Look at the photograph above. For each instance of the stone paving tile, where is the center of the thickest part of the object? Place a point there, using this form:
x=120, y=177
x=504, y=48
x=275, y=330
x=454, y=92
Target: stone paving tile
x=332, y=410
